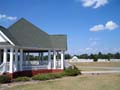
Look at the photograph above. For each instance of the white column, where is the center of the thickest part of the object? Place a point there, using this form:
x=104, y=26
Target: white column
x=11, y=60
x=62, y=59
x=0, y=56
x=49, y=59
x=21, y=59
x=16, y=59
x=5, y=55
x=54, y=59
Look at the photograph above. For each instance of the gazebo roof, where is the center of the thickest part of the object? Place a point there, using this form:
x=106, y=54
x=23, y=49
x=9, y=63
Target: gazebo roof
x=25, y=34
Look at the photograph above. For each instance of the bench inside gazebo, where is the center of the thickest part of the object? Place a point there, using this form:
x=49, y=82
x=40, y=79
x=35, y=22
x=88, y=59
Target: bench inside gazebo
x=21, y=40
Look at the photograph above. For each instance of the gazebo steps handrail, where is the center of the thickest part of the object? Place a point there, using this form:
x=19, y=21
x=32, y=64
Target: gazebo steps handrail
x=4, y=67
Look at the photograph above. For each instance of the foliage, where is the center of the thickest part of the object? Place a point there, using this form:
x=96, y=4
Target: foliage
x=95, y=58
x=68, y=72
x=85, y=56
x=5, y=79
x=19, y=79
x=67, y=56
x=100, y=56
x=72, y=71
x=59, y=75
x=43, y=76
x=48, y=76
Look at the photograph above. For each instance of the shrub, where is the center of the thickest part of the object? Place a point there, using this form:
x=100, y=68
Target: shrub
x=59, y=75
x=73, y=71
x=5, y=79
x=19, y=79
x=43, y=76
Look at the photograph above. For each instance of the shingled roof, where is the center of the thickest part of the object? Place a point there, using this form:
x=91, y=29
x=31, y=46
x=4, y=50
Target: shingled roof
x=8, y=34
x=25, y=34
x=59, y=41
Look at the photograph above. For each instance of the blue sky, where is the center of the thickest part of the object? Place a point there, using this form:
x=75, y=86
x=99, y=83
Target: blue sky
x=91, y=25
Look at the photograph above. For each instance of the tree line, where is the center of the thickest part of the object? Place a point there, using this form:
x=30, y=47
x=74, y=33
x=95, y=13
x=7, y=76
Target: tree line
x=84, y=56
x=97, y=56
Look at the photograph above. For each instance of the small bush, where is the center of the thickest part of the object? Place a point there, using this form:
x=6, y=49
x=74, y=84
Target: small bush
x=72, y=71
x=48, y=76
x=43, y=76
x=19, y=79
x=59, y=75
x=5, y=79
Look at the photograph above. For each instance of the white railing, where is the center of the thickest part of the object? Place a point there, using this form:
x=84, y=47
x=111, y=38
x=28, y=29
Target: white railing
x=28, y=65
x=34, y=65
x=4, y=67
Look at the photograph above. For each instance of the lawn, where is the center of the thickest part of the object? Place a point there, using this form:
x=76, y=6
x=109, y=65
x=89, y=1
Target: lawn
x=91, y=69
x=84, y=65
x=81, y=82
x=100, y=64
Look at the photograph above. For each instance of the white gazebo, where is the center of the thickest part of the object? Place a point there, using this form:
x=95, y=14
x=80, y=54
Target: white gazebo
x=21, y=40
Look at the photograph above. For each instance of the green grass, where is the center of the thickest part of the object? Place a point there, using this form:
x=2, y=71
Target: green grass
x=95, y=82
x=100, y=64
x=91, y=69
x=81, y=82
x=83, y=66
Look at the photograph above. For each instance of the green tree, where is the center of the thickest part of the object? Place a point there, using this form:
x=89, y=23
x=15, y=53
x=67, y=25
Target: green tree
x=100, y=55
x=95, y=57
x=67, y=56
x=117, y=55
x=84, y=56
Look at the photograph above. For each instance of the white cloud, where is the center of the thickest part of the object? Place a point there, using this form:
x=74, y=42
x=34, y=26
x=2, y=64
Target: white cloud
x=97, y=28
x=110, y=25
x=94, y=3
x=5, y=17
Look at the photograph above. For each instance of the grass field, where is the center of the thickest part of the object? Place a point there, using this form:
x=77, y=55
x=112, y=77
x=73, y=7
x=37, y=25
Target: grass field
x=81, y=82
x=100, y=64
x=84, y=66
x=91, y=69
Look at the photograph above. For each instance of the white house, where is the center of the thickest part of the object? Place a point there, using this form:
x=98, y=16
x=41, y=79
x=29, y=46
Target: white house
x=23, y=38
